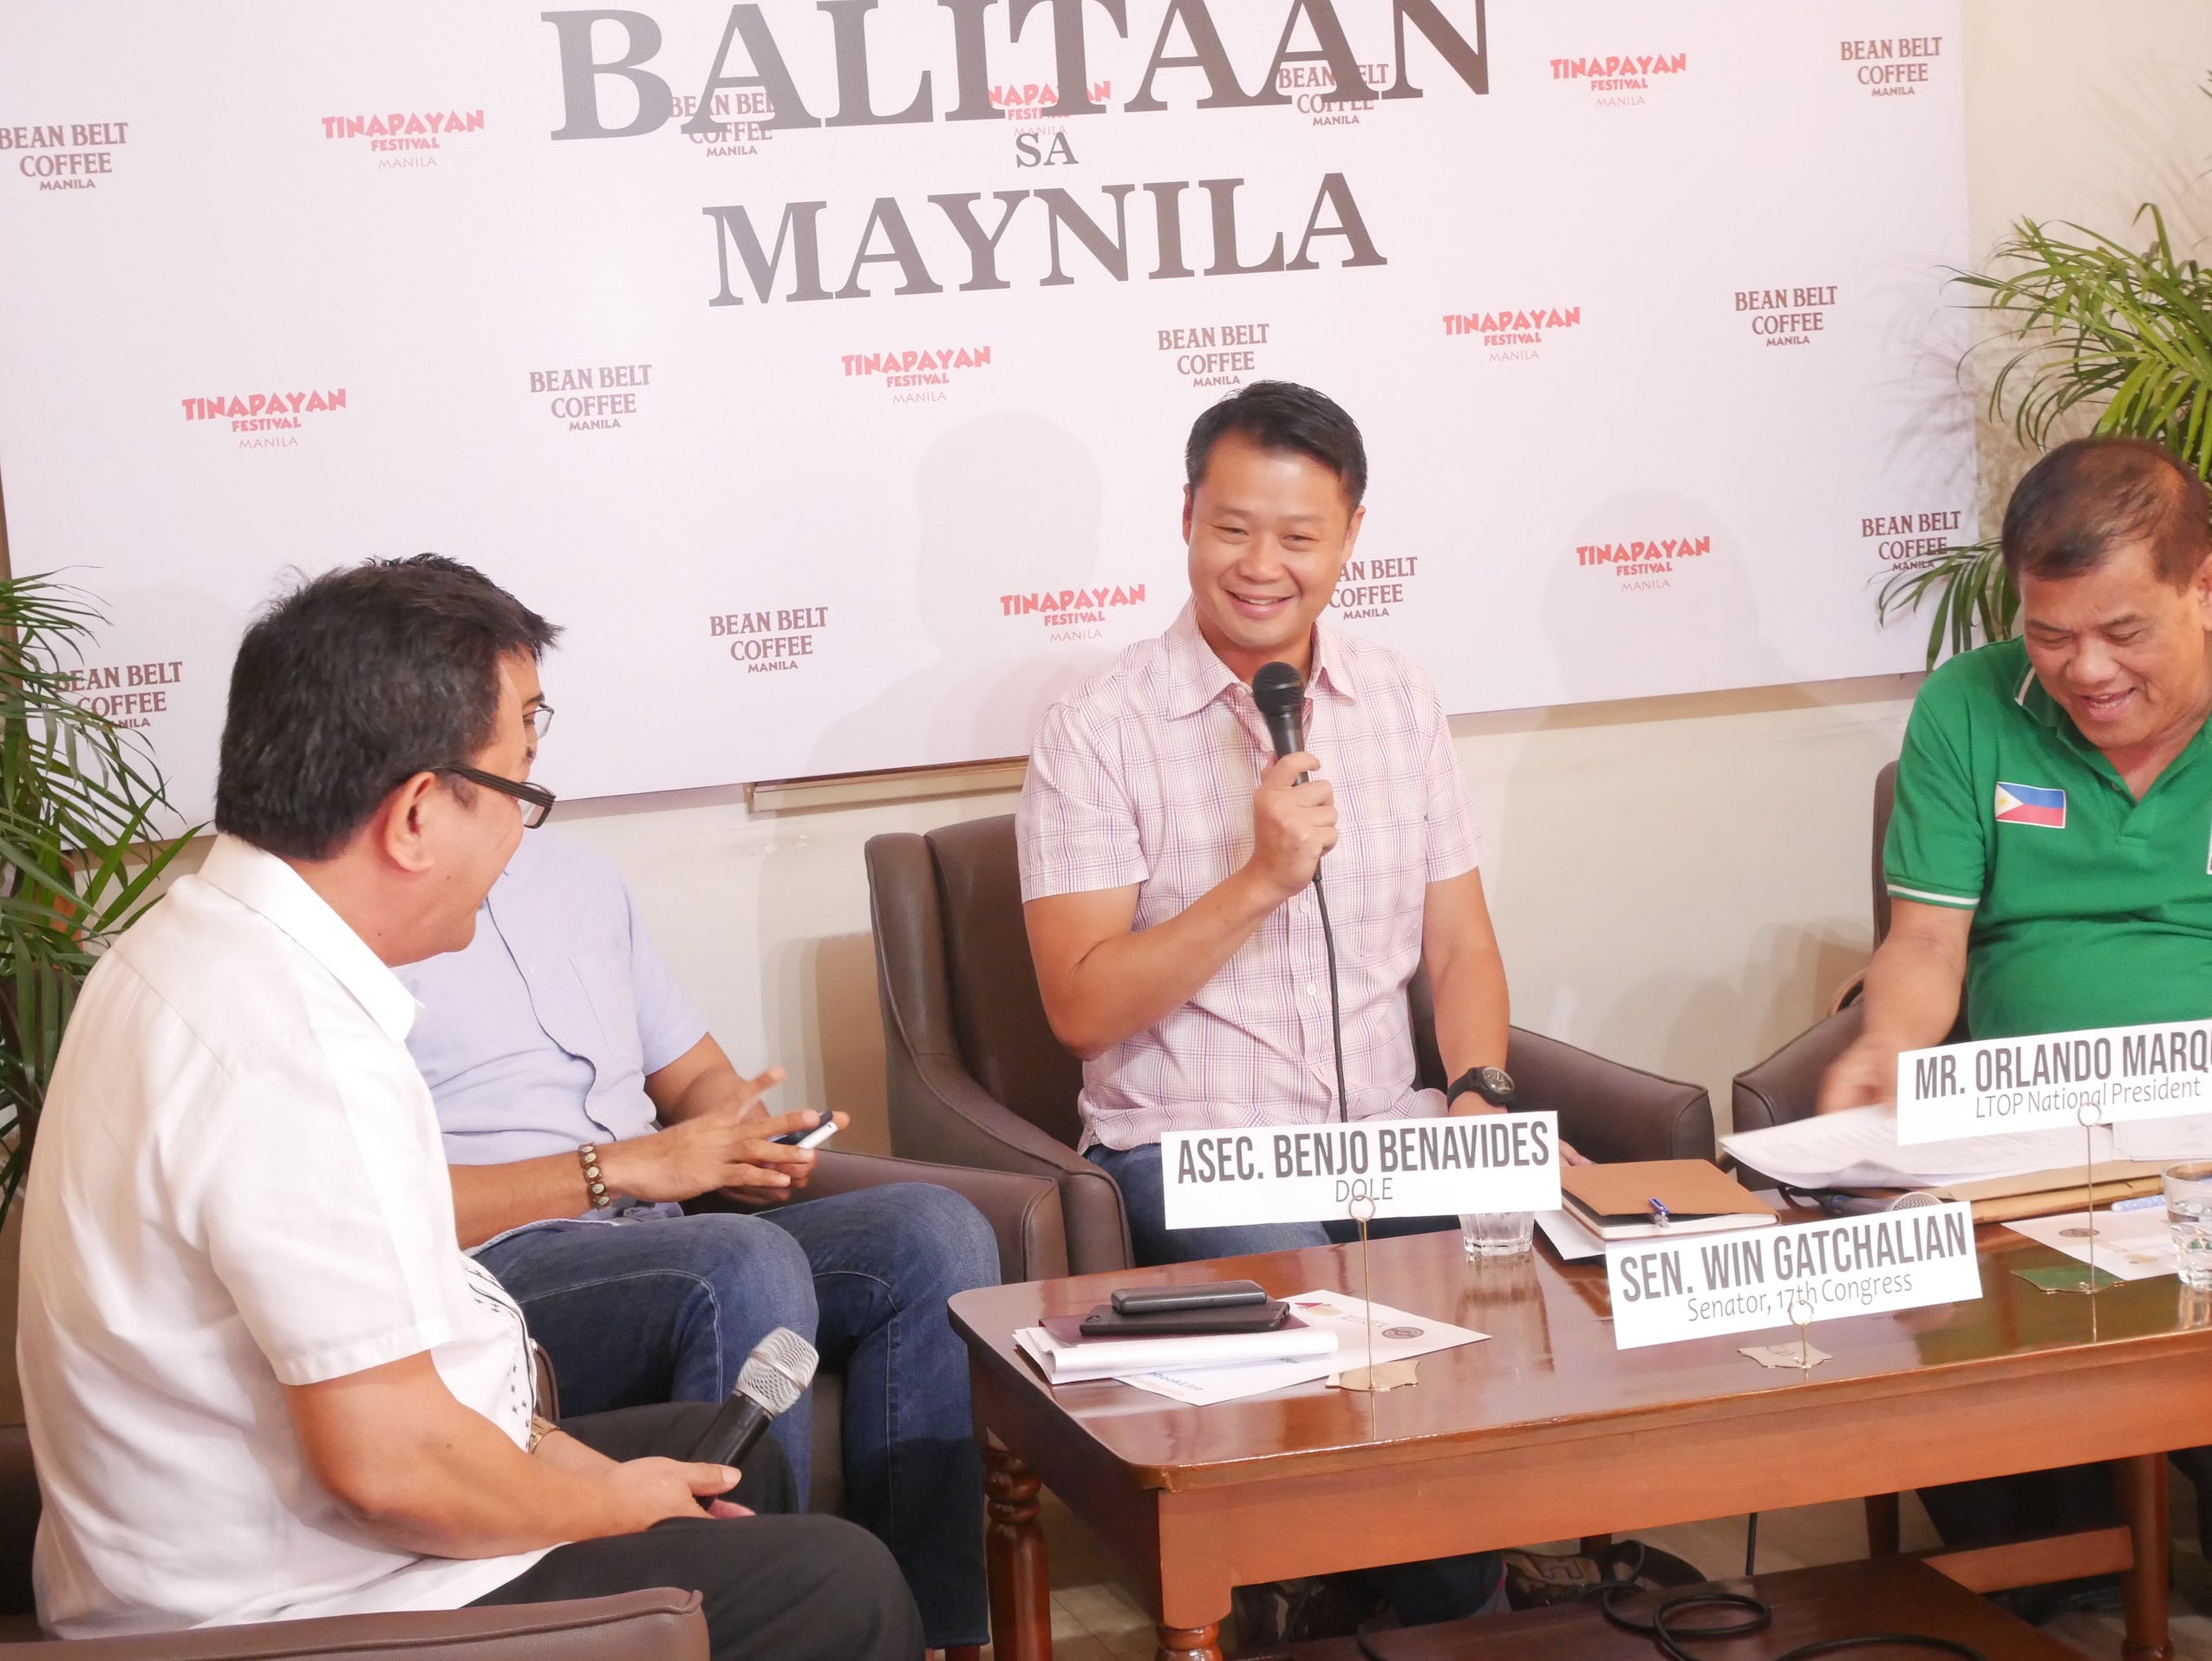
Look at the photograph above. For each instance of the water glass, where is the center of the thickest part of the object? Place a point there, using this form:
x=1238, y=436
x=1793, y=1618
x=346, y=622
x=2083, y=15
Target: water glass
x=2188, y=1213
x=1506, y=1234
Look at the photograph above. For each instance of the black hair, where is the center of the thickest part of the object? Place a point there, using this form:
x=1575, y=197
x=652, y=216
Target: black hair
x=352, y=683
x=1279, y=415
x=2092, y=497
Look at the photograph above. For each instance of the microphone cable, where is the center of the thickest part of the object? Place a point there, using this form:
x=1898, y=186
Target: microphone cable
x=1336, y=1013
x=1279, y=694
x=1756, y=1616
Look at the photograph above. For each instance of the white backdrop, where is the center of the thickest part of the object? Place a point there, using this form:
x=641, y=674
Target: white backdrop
x=282, y=286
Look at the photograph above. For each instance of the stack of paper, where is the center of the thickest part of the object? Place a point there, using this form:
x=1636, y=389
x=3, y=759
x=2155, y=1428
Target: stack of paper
x=1859, y=1148
x=1200, y=1370
x=2170, y=1142
x=1067, y=1362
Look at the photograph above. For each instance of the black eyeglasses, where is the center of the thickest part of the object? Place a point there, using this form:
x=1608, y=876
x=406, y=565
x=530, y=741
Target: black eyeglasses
x=537, y=801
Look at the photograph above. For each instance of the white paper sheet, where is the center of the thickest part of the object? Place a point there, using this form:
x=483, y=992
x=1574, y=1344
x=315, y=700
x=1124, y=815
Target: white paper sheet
x=2170, y=1141
x=1859, y=1148
x=1573, y=1243
x=2134, y=1245
x=1068, y=1364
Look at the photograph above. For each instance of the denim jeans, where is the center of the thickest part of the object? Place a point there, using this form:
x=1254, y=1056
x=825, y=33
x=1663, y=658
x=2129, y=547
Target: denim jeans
x=1437, y=1588
x=658, y=1309
x=1136, y=1171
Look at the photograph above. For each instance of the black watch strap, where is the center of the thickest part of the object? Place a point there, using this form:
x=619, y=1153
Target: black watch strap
x=1493, y=1084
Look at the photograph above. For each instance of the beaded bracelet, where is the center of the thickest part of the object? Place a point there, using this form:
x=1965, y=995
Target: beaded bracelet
x=589, y=1155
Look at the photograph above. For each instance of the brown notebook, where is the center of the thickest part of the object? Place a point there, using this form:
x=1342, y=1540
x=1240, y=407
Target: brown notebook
x=1614, y=1202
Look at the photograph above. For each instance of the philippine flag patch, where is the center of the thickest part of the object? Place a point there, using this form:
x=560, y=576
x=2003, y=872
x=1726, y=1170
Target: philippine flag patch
x=2027, y=805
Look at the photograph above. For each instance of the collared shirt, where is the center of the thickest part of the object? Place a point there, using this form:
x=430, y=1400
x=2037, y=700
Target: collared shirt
x=537, y=1038
x=2092, y=908
x=238, y=1186
x=1145, y=774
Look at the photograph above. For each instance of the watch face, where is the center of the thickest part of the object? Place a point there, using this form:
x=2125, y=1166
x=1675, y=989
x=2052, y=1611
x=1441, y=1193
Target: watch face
x=1497, y=1084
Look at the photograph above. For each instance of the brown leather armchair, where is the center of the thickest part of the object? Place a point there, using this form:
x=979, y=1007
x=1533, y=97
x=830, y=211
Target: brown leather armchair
x=977, y=1078
x=663, y=1624
x=1786, y=1085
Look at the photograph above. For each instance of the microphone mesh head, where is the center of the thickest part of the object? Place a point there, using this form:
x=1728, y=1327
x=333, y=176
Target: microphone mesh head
x=778, y=1372
x=1277, y=685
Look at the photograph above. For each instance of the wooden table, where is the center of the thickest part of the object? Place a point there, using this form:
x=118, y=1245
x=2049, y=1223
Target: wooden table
x=1546, y=1432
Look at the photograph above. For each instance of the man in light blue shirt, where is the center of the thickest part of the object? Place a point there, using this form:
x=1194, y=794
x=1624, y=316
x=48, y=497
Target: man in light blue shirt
x=557, y=1044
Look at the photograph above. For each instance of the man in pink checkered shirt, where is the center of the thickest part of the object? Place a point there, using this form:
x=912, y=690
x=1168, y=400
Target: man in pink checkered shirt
x=1167, y=856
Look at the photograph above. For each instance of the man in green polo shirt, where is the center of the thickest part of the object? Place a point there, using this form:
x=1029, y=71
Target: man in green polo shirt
x=2051, y=851
x=2050, y=855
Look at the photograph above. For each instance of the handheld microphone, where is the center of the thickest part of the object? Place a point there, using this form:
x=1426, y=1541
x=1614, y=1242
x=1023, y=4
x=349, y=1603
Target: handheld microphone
x=1282, y=698
x=1280, y=692
x=770, y=1382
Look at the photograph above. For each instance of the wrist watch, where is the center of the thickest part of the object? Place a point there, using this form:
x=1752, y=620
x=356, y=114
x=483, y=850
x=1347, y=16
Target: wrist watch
x=1493, y=1084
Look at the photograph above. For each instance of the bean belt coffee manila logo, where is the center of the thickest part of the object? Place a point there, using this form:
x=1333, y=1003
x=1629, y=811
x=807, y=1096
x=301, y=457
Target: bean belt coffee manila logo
x=773, y=641
x=922, y=376
x=1512, y=336
x=1894, y=66
x=592, y=397
x=266, y=420
x=1369, y=587
x=1910, y=542
x=740, y=124
x=404, y=138
x=1314, y=95
x=1793, y=316
x=1072, y=614
x=1642, y=565
x=65, y=155
x=1214, y=355
x=1621, y=80
x=129, y=694
x=1044, y=236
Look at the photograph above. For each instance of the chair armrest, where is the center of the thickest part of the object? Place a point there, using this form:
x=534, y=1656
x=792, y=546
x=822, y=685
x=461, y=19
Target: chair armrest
x=1023, y=1210
x=661, y=1624
x=1607, y=1111
x=19, y=1508
x=1786, y=1085
x=960, y=1124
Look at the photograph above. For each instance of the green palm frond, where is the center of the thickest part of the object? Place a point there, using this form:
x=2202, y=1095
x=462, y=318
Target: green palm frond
x=81, y=812
x=2088, y=324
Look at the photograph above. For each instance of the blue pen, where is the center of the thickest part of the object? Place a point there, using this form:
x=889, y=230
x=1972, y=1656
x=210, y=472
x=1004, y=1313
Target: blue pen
x=1659, y=1212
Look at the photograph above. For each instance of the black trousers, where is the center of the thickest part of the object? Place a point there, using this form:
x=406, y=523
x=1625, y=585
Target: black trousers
x=778, y=1586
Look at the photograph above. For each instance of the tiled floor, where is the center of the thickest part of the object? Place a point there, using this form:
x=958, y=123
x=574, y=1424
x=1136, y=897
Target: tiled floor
x=1095, y=1618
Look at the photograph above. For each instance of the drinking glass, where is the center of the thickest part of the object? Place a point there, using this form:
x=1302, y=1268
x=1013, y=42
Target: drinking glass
x=2188, y=1213
x=1507, y=1234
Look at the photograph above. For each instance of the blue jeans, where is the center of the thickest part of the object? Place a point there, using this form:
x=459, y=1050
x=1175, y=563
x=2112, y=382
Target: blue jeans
x=667, y=1309
x=1437, y=1588
x=1136, y=1171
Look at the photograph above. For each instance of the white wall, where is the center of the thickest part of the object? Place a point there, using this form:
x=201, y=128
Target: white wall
x=1681, y=882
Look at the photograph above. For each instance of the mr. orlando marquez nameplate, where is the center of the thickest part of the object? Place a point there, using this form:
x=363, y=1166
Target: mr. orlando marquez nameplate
x=1709, y=1284
x=2101, y=1076
x=1407, y=1167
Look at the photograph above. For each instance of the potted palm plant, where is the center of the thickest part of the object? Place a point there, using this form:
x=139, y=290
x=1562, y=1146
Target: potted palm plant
x=2086, y=324
x=82, y=810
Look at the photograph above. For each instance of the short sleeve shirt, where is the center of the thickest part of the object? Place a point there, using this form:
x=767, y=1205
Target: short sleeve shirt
x=2092, y=908
x=1144, y=776
x=238, y=1186
x=539, y=1037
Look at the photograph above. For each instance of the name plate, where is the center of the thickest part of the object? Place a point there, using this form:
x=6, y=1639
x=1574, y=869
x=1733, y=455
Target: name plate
x=1407, y=1167
x=1704, y=1285
x=2102, y=1076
